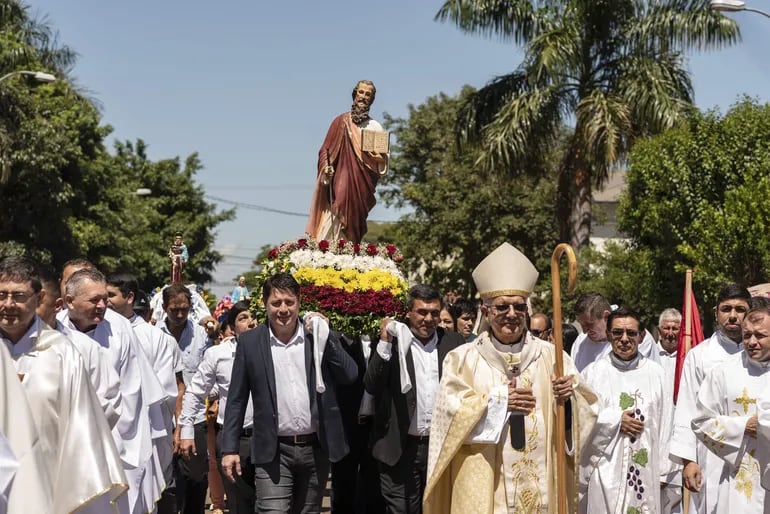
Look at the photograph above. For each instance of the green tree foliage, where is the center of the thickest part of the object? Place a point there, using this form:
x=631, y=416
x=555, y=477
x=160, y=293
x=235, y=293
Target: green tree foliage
x=64, y=195
x=461, y=212
x=613, y=67
x=697, y=198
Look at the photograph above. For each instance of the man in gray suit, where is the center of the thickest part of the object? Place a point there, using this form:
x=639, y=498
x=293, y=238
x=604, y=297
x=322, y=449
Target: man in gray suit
x=298, y=429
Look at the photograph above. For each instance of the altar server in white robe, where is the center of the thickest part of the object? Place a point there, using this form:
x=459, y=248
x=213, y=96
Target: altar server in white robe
x=726, y=420
x=163, y=354
x=80, y=457
x=627, y=454
x=103, y=377
x=86, y=302
x=702, y=468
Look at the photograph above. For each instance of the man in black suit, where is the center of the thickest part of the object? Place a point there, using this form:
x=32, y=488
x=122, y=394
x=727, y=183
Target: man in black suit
x=404, y=400
x=297, y=430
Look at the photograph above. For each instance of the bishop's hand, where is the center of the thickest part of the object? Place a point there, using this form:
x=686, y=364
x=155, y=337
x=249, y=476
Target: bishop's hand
x=520, y=399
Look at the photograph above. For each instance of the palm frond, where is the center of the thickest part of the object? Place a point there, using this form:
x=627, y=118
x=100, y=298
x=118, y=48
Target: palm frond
x=482, y=106
x=555, y=53
x=669, y=25
x=523, y=126
x=658, y=90
x=506, y=19
x=604, y=122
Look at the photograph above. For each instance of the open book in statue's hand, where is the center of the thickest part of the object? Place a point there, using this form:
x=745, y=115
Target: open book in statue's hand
x=377, y=141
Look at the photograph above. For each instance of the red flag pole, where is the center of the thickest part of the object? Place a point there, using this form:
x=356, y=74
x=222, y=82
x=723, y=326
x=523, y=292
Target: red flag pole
x=688, y=306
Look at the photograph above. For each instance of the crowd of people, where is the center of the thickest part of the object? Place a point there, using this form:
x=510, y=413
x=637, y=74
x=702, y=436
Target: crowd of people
x=114, y=405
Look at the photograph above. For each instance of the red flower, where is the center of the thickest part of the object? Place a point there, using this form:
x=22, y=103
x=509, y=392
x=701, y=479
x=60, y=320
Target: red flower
x=302, y=243
x=356, y=248
x=391, y=249
x=323, y=245
x=341, y=243
x=371, y=249
x=273, y=254
x=398, y=258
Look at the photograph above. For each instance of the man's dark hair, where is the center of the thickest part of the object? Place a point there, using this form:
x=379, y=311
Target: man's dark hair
x=141, y=303
x=460, y=307
x=592, y=303
x=733, y=292
x=568, y=336
x=125, y=282
x=175, y=290
x=423, y=292
x=48, y=279
x=78, y=262
x=236, y=309
x=283, y=281
x=368, y=83
x=624, y=312
x=20, y=269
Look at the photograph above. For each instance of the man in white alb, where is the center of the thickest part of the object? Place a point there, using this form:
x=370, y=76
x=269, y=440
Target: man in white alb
x=726, y=421
x=701, y=473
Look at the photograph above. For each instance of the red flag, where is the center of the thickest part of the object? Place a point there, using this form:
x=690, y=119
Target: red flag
x=690, y=331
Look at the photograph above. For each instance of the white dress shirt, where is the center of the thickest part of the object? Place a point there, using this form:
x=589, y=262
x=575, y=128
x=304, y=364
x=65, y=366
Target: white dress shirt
x=426, y=377
x=291, y=388
x=216, y=369
x=192, y=344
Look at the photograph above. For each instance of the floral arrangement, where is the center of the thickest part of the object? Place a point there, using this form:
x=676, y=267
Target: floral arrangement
x=354, y=285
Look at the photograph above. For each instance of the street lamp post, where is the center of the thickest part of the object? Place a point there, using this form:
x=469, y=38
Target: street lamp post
x=734, y=6
x=39, y=76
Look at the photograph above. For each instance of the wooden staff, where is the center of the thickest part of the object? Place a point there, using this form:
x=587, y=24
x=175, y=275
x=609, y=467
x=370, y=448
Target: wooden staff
x=561, y=456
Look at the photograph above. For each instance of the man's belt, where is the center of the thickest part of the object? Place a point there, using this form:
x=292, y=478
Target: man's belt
x=298, y=440
x=422, y=439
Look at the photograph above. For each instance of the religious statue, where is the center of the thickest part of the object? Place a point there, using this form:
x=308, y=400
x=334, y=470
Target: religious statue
x=351, y=160
x=178, y=255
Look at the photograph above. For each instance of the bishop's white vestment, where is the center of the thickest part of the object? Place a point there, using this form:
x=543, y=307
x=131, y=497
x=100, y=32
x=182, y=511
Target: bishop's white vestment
x=472, y=463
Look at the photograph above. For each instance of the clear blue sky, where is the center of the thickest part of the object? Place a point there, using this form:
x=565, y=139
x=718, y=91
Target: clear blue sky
x=252, y=86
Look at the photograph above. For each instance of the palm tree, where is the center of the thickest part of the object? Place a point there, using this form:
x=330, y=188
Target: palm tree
x=613, y=68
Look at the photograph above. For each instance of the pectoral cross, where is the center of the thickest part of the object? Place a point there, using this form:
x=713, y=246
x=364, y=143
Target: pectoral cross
x=745, y=401
x=513, y=363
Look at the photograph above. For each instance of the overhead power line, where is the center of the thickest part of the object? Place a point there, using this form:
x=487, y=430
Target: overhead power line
x=263, y=208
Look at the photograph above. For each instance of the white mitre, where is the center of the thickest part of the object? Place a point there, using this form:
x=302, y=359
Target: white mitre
x=505, y=272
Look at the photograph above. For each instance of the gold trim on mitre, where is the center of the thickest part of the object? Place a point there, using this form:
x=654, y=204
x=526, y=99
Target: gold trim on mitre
x=505, y=272
x=505, y=292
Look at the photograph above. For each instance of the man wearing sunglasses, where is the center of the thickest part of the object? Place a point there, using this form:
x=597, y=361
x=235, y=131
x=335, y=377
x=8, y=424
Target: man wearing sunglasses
x=493, y=444
x=621, y=467
x=702, y=469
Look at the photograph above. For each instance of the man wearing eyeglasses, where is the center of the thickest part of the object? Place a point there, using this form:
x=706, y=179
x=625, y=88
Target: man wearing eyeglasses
x=403, y=376
x=79, y=455
x=621, y=468
x=493, y=446
x=702, y=469
x=540, y=326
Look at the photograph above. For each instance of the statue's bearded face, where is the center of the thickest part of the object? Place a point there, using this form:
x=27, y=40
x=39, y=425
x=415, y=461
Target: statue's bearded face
x=362, y=100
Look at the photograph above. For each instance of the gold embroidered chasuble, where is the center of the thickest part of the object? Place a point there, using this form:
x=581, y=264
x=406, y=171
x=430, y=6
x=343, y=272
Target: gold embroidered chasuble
x=727, y=399
x=497, y=478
